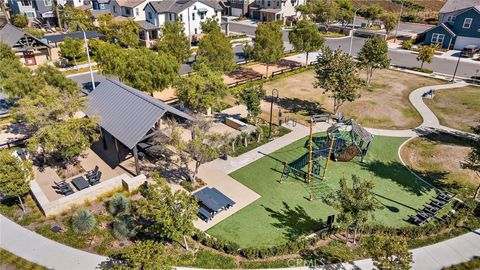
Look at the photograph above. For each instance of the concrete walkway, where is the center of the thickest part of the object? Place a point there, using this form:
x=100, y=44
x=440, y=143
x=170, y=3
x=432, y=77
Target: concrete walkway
x=43, y=251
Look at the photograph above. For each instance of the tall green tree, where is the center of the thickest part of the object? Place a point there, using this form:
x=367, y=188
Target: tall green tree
x=390, y=21
x=143, y=255
x=372, y=13
x=74, y=17
x=426, y=53
x=169, y=214
x=354, y=204
x=210, y=25
x=15, y=175
x=268, y=47
x=124, y=32
x=345, y=12
x=174, y=41
x=72, y=49
x=201, y=90
x=472, y=161
x=306, y=38
x=337, y=73
x=19, y=20
x=373, y=55
x=251, y=96
x=321, y=11
x=388, y=252
x=215, y=51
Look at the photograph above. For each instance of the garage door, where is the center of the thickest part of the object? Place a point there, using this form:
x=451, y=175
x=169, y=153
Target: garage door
x=461, y=42
x=236, y=12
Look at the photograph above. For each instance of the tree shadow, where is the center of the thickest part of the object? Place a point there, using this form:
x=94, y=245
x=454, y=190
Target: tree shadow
x=301, y=106
x=244, y=73
x=295, y=221
x=396, y=172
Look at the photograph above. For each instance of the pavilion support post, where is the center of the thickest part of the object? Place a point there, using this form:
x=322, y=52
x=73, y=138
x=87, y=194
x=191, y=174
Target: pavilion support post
x=137, y=163
x=118, y=151
x=104, y=140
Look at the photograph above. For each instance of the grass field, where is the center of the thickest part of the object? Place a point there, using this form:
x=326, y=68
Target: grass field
x=457, y=108
x=9, y=261
x=383, y=104
x=284, y=214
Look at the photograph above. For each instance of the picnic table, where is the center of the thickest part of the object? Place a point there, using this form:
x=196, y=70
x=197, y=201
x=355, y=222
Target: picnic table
x=80, y=183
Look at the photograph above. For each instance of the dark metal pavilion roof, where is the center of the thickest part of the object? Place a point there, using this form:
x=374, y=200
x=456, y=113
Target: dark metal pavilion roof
x=125, y=112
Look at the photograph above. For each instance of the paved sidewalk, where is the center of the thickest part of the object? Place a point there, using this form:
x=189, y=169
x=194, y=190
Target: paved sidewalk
x=38, y=249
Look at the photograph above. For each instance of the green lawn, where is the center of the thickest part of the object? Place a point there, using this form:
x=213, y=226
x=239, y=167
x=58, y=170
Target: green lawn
x=283, y=213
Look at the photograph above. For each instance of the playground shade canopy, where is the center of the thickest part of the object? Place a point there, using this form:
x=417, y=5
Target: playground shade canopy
x=125, y=112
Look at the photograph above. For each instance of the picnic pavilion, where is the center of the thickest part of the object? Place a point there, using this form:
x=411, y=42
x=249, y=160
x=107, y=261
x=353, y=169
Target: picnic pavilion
x=127, y=117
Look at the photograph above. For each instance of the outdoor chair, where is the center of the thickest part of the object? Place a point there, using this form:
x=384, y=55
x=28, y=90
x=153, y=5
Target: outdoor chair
x=95, y=179
x=445, y=197
x=415, y=220
x=60, y=184
x=430, y=209
x=438, y=203
x=93, y=173
x=66, y=190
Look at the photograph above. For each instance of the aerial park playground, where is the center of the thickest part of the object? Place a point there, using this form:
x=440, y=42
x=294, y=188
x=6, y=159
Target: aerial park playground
x=343, y=142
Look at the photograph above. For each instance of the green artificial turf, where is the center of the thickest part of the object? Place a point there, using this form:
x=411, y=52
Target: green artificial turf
x=284, y=214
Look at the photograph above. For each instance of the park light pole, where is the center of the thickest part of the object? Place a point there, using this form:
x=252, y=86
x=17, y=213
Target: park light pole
x=456, y=67
x=399, y=21
x=353, y=28
x=274, y=95
x=88, y=56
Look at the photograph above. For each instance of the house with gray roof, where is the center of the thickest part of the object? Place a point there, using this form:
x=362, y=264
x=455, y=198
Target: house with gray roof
x=458, y=25
x=30, y=49
x=191, y=12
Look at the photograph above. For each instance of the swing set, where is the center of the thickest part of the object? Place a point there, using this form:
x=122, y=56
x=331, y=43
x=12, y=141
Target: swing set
x=344, y=142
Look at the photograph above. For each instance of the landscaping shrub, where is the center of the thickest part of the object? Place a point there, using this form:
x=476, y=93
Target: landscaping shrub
x=407, y=44
x=212, y=260
x=473, y=264
x=424, y=70
x=123, y=227
x=118, y=204
x=83, y=221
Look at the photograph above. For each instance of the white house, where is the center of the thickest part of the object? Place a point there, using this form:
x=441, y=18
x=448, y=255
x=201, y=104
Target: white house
x=274, y=10
x=190, y=12
x=129, y=9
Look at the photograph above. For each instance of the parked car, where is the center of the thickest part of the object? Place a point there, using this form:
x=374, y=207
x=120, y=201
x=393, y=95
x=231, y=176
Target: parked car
x=470, y=51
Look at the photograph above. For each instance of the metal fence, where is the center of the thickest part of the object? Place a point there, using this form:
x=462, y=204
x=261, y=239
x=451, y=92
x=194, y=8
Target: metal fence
x=8, y=145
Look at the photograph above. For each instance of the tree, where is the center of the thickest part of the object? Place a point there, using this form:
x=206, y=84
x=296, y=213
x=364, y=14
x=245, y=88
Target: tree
x=118, y=204
x=174, y=41
x=306, y=38
x=201, y=148
x=345, y=12
x=390, y=22
x=142, y=255
x=426, y=53
x=389, y=252
x=72, y=49
x=337, y=73
x=472, y=161
x=251, y=96
x=355, y=204
x=215, y=51
x=19, y=20
x=124, y=32
x=74, y=17
x=372, y=13
x=65, y=140
x=83, y=221
x=268, y=47
x=201, y=90
x=210, y=25
x=34, y=32
x=374, y=55
x=169, y=214
x=248, y=51
x=321, y=11
x=15, y=175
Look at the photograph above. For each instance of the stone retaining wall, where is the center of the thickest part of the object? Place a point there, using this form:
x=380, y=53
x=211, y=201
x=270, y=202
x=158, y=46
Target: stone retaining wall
x=51, y=208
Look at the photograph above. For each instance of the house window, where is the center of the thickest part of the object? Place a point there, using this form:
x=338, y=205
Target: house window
x=26, y=3
x=30, y=14
x=268, y=3
x=193, y=16
x=137, y=12
x=150, y=17
x=467, y=23
x=114, y=9
x=196, y=31
x=127, y=11
x=263, y=2
x=451, y=18
x=47, y=3
x=180, y=17
x=202, y=16
x=438, y=38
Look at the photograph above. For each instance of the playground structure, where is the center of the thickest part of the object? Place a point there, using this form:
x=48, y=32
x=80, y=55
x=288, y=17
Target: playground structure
x=344, y=141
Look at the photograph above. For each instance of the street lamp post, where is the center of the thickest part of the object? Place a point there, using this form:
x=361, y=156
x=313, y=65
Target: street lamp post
x=399, y=21
x=88, y=56
x=274, y=95
x=456, y=67
x=353, y=28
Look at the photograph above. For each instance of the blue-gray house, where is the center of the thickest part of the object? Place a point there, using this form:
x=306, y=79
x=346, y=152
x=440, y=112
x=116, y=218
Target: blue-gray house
x=459, y=25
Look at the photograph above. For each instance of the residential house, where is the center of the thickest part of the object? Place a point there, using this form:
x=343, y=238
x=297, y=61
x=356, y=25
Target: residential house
x=237, y=8
x=129, y=9
x=190, y=12
x=30, y=49
x=458, y=26
x=274, y=10
x=101, y=5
